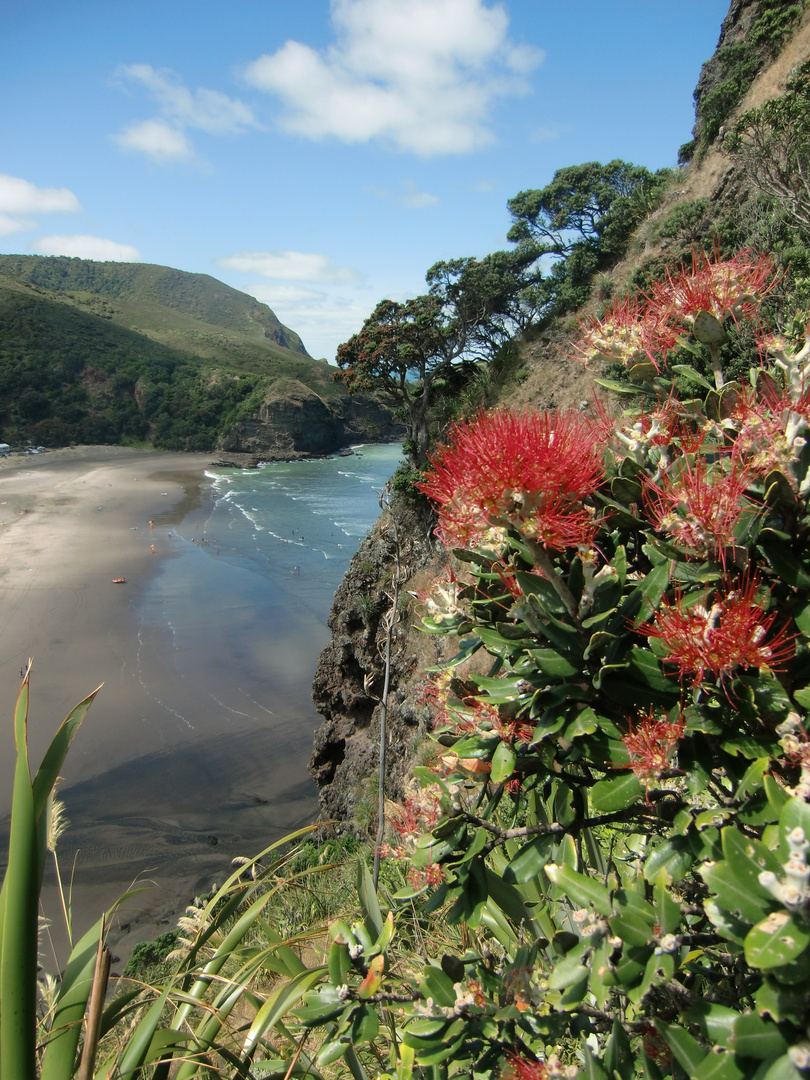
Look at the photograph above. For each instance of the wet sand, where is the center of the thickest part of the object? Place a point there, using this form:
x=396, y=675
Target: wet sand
x=179, y=765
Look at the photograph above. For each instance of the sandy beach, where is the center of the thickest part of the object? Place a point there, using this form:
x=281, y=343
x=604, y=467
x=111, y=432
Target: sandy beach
x=153, y=758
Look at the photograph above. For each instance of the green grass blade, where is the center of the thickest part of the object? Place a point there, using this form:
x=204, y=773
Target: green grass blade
x=51, y=766
x=66, y=1026
x=277, y=1005
x=18, y=931
x=48, y=774
x=137, y=1046
x=74, y=990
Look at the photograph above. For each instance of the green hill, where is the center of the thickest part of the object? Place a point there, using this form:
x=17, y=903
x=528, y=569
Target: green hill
x=99, y=352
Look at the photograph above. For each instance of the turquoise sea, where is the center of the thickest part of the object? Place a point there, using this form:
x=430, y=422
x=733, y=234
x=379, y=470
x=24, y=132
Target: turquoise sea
x=229, y=629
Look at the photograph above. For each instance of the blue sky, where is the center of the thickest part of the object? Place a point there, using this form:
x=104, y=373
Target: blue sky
x=322, y=155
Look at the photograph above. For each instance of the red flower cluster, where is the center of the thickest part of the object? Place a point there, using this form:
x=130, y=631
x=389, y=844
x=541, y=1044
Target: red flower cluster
x=626, y=333
x=529, y=471
x=520, y=1068
x=724, y=288
x=717, y=640
x=699, y=505
x=637, y=334
x=651, y=746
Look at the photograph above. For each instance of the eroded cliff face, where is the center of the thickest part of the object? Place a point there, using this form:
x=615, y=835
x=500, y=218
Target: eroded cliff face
x=293, y=421
x=350, y=675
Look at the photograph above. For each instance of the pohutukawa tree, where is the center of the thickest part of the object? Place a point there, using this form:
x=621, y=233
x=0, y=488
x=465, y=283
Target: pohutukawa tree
x=618, y=811
x=417, y=352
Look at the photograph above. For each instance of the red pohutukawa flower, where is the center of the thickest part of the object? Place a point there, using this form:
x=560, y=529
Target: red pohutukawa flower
x=651, y=746
x=724, y=287
x=758, y=424
x=530, y=471
x=520, y=1068
x=735, y=632
x=626, y=333
x=699, y=504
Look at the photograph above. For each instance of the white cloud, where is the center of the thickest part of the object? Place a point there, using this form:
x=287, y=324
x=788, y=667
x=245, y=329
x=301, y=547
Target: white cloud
x=410, y=197
x=422, y=74
x=9, y=225
x=321, y=321
x=156, y=139
x=163, y=139
x=20, y=197
x=289, y=266
x=208, y=110
x=85, y=247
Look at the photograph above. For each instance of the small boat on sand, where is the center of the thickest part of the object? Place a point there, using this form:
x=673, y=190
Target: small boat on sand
x=119, y=581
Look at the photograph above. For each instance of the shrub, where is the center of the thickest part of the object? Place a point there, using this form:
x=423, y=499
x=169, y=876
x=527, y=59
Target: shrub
x=617, y=819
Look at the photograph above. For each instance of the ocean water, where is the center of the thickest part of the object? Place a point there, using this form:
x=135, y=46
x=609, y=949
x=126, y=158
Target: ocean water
x=220, y=719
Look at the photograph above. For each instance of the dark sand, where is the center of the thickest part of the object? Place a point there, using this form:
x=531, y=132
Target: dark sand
x=180, y=764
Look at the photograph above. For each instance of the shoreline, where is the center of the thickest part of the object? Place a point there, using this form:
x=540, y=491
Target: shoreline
x=196, y=749
x=70, y=522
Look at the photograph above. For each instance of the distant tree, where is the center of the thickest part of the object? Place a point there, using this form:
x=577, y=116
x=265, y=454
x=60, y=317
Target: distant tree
x=415, y=353
x=488, y=299
x=400, y=353
x=582, y=220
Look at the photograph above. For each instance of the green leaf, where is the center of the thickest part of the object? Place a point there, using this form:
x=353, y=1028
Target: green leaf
x=776, y=940
x=659, y=971
x=369, y=905
x=783, y=1069
x=582, y=890
x=756, y=1037
x=747, y=857
x=674, y=857
x=18, y=962
x=732, y=893
x=795, y=814
x=615, y=793
x=667, y=908
x=592, y=1070
x=365, y=1025
x=339, y=963
x=503, y=762
x=753, y=779
x=618, y=1056
x=715, y=1022
x=692, y=375
x=553, y=663
x=686, y=1049
x=729, y=925
x=719, y=1066
x=437, y=985
x=276, y=1005
x=783, y=561
x=780, y=1003
x=631, y=928
x=530, y=860
x=569, y=971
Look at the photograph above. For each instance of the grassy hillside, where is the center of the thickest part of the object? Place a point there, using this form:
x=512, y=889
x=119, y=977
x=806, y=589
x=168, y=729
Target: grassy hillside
x=126, y=352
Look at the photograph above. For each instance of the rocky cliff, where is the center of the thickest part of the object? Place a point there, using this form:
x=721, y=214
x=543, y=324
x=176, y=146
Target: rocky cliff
x=350, y=674
x=293, y=421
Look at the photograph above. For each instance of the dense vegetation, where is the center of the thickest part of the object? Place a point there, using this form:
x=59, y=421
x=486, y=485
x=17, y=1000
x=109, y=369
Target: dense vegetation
x=600, y=869
x=129, y=353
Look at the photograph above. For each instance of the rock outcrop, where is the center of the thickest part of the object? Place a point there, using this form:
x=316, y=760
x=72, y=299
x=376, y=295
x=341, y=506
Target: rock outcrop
x=350, y=674
x=293, y=421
